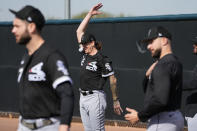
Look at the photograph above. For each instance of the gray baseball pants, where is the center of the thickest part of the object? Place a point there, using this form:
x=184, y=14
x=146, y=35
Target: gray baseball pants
x=192, y=123
x=92, y=110
x=166, y=121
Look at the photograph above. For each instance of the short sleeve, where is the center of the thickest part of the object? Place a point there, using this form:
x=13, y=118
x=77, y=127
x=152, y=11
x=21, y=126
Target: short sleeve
x=57, y=69
x=107, y=67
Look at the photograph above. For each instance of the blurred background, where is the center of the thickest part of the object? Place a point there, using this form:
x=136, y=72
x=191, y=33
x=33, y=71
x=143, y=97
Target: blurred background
x=72, y=9
x=122, y=23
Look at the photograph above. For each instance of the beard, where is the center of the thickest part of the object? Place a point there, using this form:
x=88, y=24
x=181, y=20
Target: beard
x=156, y=54
x=25, y=38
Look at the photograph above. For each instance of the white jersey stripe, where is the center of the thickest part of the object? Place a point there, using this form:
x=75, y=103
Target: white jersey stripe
x=61, y=80
x=109, y=74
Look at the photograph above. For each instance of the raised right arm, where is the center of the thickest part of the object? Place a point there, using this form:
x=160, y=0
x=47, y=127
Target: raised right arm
x=82, y=27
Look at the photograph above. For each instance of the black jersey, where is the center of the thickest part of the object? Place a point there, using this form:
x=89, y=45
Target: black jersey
x=94, y=71
x=38, y=77
x=163, y=88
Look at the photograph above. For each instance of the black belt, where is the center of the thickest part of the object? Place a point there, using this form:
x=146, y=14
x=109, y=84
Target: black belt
x=34, y=126
x=85, y=93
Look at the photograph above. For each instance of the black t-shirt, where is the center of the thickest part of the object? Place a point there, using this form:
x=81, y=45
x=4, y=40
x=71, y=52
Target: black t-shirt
x=94, y=71
x=163, y=88
x=38, y=77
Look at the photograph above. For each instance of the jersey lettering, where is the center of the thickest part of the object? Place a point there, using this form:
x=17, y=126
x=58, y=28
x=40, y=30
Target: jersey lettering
x=61, y=67
x=82, y=61
x=20, y=72
x=36, y=73
x=92, y=66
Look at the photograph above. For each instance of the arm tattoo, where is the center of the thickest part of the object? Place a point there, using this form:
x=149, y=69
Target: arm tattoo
x=113, y=85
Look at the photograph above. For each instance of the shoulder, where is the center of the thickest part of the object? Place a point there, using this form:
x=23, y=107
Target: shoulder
x=51, y=53
x=169, y=63
x=104, y=58
x=46, y=49
x=169, y=59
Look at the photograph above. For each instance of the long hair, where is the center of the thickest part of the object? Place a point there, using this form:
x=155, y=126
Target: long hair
x=98, y=45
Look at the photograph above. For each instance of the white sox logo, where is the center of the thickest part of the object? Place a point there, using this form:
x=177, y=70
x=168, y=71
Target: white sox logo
x=36, y=73
x=61, y=67
x=108, y=67
x=92, y=66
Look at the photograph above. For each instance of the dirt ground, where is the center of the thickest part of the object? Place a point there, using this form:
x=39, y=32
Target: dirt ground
x=10, y=124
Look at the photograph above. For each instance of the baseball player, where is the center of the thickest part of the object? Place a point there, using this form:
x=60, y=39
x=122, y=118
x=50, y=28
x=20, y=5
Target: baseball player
x=162, y=86
x=191, y=88
x=46, y=96
x=95, y=69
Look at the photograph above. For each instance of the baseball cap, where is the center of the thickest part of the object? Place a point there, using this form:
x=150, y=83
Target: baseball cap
x=152, y=34
x=30, y=14
x=86, y=38
x=156, y=32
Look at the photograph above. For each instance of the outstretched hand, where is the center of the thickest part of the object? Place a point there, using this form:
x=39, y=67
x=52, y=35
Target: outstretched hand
x=132, y=116
x=117, y=108
x=94, y=10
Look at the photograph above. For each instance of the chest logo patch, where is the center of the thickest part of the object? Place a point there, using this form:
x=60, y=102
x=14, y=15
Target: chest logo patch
x=36, y=73
x=92, y=66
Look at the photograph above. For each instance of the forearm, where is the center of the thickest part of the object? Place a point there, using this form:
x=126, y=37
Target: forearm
x=82, y=27
x=113, y=85
x=154, y=103
x=147, y=113
x=67, y=103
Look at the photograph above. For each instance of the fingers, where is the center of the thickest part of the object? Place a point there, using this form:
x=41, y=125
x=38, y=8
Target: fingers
x=129, y=110
x=117, y=111
x=121, y=110
x=98, y=6
x=131, y=118
x=127, y=116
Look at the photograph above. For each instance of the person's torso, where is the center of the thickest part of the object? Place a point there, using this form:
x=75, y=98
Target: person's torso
x=93, y=70
x=173, y=67
x=37, y=95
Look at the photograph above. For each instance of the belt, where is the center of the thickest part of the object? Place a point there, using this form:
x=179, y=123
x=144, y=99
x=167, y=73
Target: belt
x=35, y=125
x=85, y=93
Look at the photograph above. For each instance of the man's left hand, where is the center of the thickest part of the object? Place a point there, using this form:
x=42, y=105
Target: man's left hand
x=132, y=116
x=117, y=108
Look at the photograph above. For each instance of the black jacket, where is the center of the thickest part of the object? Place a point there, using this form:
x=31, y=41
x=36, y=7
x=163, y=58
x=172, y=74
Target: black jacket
x=163, y=88
x=191, y=89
